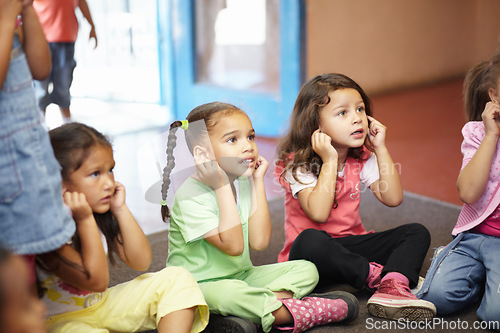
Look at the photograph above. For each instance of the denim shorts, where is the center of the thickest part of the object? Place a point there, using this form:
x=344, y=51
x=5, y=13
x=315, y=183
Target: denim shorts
x=33, y=217
x=61, y=77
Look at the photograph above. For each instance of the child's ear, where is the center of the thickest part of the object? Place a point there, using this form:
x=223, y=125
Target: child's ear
x=201, y=153
x=493, y=95
x=64, y=188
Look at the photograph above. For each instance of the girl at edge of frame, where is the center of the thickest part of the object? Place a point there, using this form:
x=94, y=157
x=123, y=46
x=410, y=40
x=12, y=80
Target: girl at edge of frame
x=469, y=264
x=168, y=300
x=32, y=213
x=333, y=145
x=219, y=213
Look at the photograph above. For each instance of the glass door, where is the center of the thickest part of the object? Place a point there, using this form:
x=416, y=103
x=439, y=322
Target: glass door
x=244, y=52
x=124, y=67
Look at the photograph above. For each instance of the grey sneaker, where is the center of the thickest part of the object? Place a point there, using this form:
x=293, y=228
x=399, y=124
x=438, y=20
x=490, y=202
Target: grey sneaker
x=350, y=299
x=229, y=324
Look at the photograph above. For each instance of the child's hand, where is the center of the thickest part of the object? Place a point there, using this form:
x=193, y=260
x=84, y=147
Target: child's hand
x=322, y=145
x=376, y=132
x=210, y=173
x=118, y=198
x=491, y=118
x=261, y=166
x=77, y=202
x=92, y=34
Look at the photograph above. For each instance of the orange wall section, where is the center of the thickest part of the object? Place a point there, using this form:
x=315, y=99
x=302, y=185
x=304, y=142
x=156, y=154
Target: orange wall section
x=388, y=44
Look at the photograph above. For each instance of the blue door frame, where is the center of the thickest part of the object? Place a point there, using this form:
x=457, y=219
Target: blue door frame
x=269, y=112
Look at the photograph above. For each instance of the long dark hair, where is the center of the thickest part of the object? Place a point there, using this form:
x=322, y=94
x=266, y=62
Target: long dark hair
x=210, y=113
x=72, y=144
x=312, y=97
x=477, y=83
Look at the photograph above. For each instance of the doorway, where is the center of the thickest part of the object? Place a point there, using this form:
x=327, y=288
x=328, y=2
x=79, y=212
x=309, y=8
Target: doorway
x=243, y=52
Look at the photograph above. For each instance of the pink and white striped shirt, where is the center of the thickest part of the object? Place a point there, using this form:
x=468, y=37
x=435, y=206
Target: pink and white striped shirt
x=474, y=214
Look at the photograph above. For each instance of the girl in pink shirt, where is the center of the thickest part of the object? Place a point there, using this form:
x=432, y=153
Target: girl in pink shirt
x=470, y=264
x=333, y=145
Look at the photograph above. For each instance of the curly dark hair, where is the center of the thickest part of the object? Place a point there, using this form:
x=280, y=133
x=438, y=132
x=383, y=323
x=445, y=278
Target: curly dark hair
x=295, y=149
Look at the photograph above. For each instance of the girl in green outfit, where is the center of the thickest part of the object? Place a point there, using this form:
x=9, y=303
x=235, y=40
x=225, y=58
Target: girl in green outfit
x=221, y=211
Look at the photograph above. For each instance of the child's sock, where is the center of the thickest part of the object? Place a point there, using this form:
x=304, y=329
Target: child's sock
x=397, y=276
x=373, y=279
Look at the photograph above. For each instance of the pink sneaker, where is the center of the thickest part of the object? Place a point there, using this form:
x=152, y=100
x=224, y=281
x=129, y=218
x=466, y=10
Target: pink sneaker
x=393, y=300
x=373, y=280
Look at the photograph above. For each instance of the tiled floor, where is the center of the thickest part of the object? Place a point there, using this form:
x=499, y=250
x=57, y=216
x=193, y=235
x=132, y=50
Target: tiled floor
x=423, y=137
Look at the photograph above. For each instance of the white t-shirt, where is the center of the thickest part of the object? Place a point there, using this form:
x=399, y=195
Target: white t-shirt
x=368, y=175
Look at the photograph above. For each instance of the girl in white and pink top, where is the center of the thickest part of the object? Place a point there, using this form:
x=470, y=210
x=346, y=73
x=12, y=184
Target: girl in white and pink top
x=334, y=145
x=469, y=267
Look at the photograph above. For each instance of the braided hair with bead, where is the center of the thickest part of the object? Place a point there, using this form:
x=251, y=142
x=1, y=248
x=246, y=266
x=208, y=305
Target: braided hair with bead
x=210, y=113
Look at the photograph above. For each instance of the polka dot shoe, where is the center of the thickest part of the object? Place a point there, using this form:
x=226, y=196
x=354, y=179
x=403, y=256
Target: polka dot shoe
x=320, y=309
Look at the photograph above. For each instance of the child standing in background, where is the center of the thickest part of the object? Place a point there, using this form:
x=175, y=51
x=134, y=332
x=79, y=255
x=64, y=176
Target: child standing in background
x=33, y=218
x=60, y=25
x=20, y=310
x=219, y=213
x=470, y=264
x=333, y=145
x=75, y=278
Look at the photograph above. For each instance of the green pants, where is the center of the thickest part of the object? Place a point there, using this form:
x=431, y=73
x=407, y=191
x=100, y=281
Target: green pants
x=250, y=294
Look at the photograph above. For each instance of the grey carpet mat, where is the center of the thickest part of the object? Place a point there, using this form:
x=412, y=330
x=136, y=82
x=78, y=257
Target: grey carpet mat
x=437, y=216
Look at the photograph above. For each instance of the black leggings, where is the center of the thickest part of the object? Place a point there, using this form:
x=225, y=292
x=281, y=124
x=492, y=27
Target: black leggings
x=346, y=259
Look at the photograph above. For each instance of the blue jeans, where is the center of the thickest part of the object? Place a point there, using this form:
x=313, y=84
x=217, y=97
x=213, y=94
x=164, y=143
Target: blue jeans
x=460, y=271
x=33, y=217
x=61, y=77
